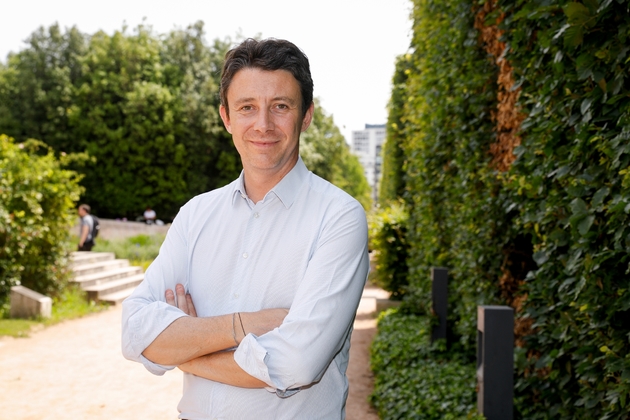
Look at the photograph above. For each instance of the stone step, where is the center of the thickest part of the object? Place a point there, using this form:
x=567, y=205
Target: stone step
x=83, y=257
x=84, y=269
x=116, y=297
x=97, y=292
x=102, y=277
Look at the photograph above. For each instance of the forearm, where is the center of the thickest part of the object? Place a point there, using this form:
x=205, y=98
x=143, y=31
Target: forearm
x=189, y=337
x=84, y=235
x=221, y=367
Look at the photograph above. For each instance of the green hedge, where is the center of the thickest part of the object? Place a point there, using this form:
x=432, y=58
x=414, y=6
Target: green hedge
x=37, y=208
x=527, y=202
x=571, y=183
x=417, y=379
x=388, y=240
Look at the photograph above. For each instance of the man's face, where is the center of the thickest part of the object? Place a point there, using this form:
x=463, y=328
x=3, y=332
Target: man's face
x=265, y=119
x=82, y=212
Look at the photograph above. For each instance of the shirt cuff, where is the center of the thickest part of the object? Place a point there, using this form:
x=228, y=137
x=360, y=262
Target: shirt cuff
x=145, y=329
x=251, y=356
x=155, y=368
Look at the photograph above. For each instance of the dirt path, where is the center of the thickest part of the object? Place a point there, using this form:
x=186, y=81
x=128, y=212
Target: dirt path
x=75, y=370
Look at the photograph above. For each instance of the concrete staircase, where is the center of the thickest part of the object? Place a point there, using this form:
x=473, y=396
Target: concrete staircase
x=103, y=277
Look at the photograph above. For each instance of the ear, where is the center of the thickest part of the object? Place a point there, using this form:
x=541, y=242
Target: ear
x=226, y=118
x=308, y=117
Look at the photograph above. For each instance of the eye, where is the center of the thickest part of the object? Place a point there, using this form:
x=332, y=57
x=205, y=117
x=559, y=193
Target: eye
x=246, y=108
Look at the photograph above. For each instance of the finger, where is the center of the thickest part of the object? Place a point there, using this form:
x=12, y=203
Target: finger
x=191, y=307
x=170, y=297
x=181, y=298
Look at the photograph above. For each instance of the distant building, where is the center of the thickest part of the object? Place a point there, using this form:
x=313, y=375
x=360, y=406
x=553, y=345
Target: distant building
x=367, y=144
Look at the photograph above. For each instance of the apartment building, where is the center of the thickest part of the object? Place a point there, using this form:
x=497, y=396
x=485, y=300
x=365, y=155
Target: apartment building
x=367, y=145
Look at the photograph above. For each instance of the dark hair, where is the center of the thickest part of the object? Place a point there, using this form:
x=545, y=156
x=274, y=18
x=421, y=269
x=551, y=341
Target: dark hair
x=268, y=54
x=85, y=207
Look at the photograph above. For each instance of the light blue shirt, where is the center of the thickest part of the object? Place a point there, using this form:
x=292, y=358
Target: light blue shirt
x=303, y=247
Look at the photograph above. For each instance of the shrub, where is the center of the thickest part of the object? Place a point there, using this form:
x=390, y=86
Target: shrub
x=417, y=379
x=37, y=198
x=388, y=229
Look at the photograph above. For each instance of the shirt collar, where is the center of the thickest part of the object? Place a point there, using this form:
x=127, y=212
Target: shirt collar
x=286, y=190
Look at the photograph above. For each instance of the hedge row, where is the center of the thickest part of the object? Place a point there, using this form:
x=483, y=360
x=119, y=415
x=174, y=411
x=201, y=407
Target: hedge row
x=515, y=121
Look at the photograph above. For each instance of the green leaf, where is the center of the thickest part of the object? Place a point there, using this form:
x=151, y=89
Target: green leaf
x=573, y=36
x=540, y=257
x=578, y=206
x=585, y=224
x=586, y=104
x=577, y=13
x=598, y=197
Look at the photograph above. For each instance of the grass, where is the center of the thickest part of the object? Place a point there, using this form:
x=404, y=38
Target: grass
x=140, y=250
x=70, y=304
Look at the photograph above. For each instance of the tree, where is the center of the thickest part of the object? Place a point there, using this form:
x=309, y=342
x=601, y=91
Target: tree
x=37, y=87
x=144, y=106
x=326, y=153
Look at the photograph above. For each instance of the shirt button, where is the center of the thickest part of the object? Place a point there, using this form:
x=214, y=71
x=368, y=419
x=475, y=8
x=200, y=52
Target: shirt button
x=235, y=295
x=256, y=215
x=245, y=255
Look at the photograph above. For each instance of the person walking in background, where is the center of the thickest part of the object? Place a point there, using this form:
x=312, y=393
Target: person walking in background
x=86, y=241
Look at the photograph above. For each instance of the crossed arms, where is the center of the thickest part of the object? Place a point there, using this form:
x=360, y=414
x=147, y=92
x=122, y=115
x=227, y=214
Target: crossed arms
x=282, y=350
x=206, y=337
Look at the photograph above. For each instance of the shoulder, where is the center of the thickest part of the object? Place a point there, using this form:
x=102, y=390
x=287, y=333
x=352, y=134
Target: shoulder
x=208, y=201
x=330, y=194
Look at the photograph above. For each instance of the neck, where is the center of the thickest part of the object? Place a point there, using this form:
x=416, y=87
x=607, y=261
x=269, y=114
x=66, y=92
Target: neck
x=259, y=183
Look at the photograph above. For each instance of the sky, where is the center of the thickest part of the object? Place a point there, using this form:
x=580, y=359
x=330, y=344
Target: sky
x=351, y=44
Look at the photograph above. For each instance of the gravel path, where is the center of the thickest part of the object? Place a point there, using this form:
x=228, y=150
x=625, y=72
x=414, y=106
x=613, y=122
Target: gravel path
x=75, y=370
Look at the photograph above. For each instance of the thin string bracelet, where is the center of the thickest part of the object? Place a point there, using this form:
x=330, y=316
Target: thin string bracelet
x=241, y=321
x=234, y=332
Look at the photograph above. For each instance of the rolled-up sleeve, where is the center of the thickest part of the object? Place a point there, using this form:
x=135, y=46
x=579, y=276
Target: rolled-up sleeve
x=320, y=319
x=146, y=313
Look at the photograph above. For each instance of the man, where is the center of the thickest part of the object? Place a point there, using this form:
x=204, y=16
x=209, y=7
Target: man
x=86, y=241
x=149, y=216
x=277, y=237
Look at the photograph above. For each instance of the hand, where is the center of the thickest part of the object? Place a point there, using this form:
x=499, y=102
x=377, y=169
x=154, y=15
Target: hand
x=184, y=300
x=263, y=321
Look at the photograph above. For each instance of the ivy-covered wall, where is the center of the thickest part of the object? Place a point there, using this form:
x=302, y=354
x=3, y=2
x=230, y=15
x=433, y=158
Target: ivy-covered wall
x=516, y=119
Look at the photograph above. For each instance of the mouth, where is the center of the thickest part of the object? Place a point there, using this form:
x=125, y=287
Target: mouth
x=263, y=143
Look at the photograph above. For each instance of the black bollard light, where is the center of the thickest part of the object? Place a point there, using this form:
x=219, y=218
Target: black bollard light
x=439, y=294
x=495, y=362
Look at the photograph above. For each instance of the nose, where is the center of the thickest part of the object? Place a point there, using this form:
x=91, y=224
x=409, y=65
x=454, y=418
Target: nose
x=264, y=121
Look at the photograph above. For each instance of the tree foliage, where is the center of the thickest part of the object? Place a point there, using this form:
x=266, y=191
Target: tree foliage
x=144, y=106
x=37, y=202
x=326, y=153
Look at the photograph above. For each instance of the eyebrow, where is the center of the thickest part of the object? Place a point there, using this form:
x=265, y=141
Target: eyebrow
x=287, y=99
